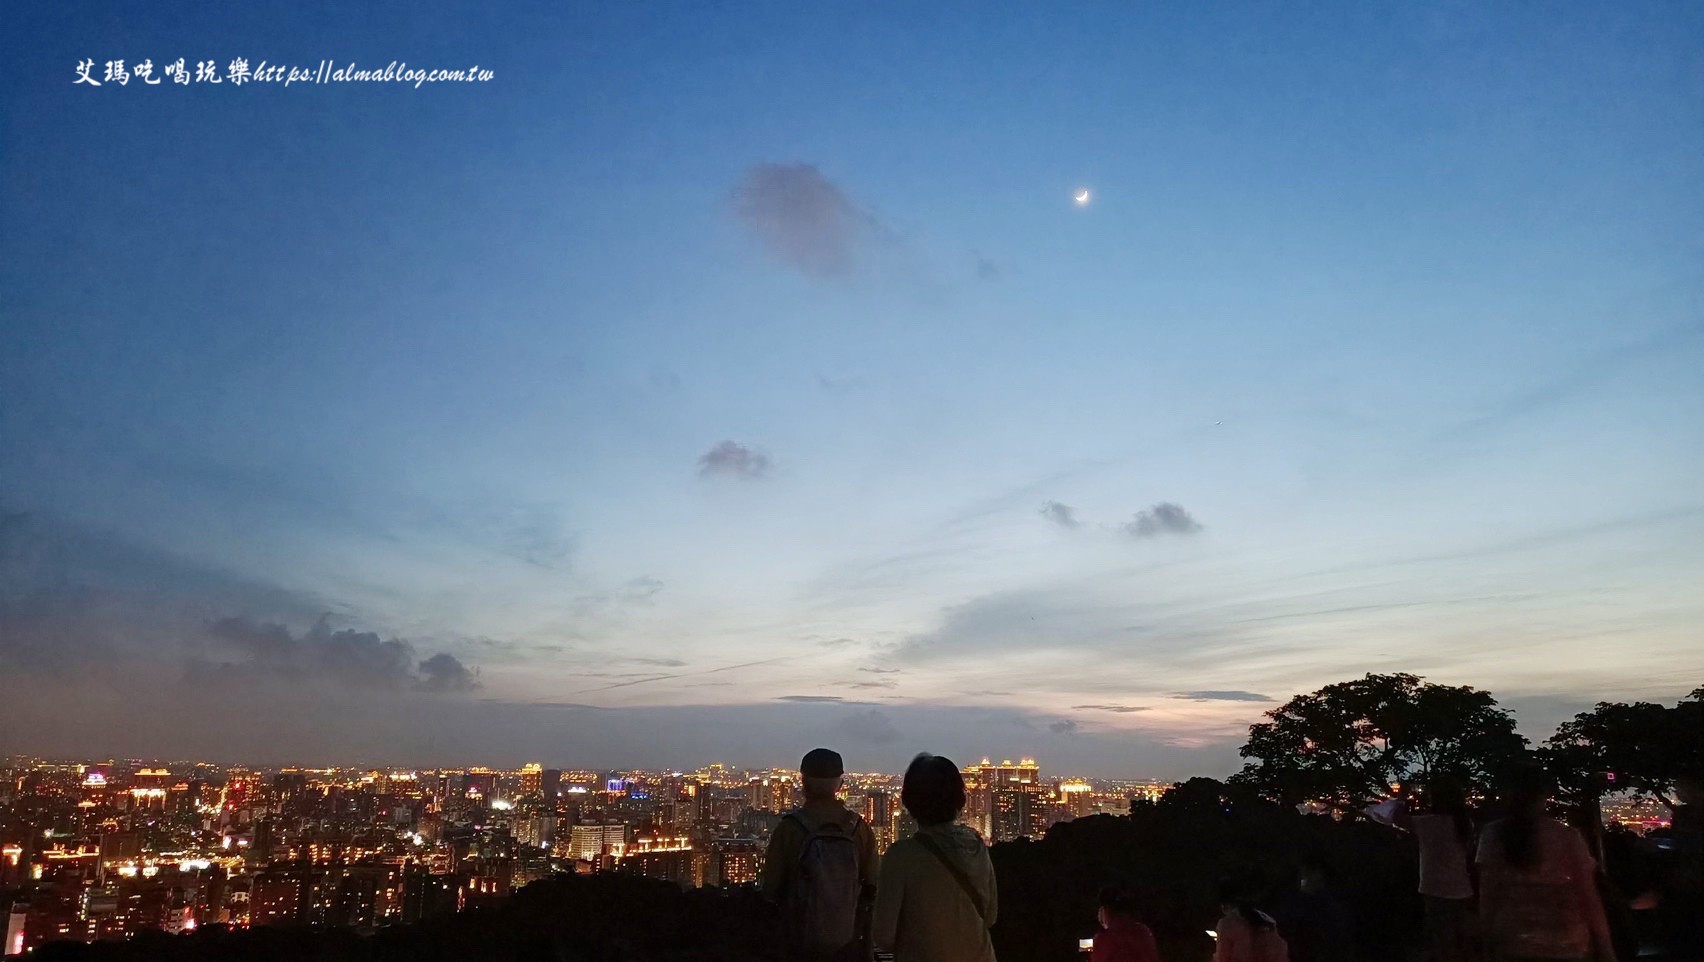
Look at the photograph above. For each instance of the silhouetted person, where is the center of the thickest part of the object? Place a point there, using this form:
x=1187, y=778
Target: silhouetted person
x=1314, y=920
x=1123, y=937
x=1445, y=834
x=1680, y=912
x=1538, y=891
x=820, y=866
x=1245, y=933
x=937, y=896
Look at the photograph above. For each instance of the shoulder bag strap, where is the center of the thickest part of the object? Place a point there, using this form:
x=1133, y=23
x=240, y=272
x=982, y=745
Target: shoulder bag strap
x=957, y=873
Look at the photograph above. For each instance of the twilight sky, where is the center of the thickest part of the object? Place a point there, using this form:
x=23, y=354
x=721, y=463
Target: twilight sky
x=719, y=380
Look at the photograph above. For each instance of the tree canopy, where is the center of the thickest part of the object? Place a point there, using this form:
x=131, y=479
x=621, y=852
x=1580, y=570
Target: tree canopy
x=1356, y=740
x=1642, y=747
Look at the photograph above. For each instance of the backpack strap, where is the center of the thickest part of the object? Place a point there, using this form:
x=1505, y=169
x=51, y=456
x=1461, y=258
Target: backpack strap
x=957, y=873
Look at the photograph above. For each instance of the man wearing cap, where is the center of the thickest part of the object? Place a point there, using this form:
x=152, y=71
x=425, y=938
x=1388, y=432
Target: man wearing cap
x=821, y=861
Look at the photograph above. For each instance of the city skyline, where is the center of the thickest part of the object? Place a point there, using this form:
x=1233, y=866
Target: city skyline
x=721, y=384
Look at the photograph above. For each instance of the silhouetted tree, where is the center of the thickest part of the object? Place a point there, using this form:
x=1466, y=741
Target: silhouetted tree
x=1643, y=746
x=1354, y=740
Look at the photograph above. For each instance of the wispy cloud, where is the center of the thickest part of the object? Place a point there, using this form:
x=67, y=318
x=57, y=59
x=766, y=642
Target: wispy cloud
x=1120, y=709
x=1060, y=514
x=1064, y=726
x=810, y=698
x=1221, y=696
x=730, y=459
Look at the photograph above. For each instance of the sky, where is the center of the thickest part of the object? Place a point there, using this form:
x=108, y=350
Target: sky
x=719, y=380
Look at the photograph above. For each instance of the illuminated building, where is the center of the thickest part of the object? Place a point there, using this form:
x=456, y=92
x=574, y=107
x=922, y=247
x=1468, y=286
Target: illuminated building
x=770, y=793
x=117, y=848
x=736, y=860
x=669, y=859
x=878, y=810
x=15, y=919
x=277, y=897
x=479, y=783
x=1004, y=801
x=241, y=786
x=532, y=778
x=587, y=842
x=1076, y=799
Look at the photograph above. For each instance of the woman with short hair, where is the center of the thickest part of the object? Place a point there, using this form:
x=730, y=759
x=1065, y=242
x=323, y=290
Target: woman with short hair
x=936, y=898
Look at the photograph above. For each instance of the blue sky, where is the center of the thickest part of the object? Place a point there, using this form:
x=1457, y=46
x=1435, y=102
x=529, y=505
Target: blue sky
x=716, y=379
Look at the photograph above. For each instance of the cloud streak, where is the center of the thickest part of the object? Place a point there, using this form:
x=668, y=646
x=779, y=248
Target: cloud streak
x=1221, y=696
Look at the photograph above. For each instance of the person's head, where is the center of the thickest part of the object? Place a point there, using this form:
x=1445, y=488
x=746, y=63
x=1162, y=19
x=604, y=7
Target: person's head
x=1525, y=790
x=934, y=790
x=1116, y=903
x=820, y=770
x=1446, y=796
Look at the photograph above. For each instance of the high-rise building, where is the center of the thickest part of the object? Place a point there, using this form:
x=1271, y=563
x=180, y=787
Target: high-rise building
x=479, y=783
x=769, y=793
x=736, y=860
x=550, y=784
x=1005, y=801
x=587, y=842
x=531, y=778
x=277, y=897
x=878, y=809
x=1076, y=799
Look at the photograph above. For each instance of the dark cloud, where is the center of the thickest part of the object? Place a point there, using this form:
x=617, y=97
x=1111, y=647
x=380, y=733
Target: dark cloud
x=1060, y=514
x=811, y=698
x=244, y=649
x=1221, y=696
x=882, y=671
x=1162, y=518
x=733, y=460
x=802, y=218
x=871, y=726
x=1064, y=726
x=1120, y=709
x=872, y=684
x=445, y=672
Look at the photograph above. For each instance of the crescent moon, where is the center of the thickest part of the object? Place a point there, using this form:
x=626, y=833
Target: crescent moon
x=1082, y=198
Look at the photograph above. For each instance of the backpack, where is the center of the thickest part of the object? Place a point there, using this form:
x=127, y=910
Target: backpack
x=823, y=900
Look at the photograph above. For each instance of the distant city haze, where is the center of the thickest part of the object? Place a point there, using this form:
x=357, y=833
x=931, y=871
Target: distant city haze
x=720, y=384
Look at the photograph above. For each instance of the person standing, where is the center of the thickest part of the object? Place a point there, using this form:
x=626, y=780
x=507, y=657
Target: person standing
x=937, y=896
x=1446, y=837
x=820, y=866
x=1537, y=882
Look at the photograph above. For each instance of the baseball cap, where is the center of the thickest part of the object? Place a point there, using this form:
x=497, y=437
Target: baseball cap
x=822, y=763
